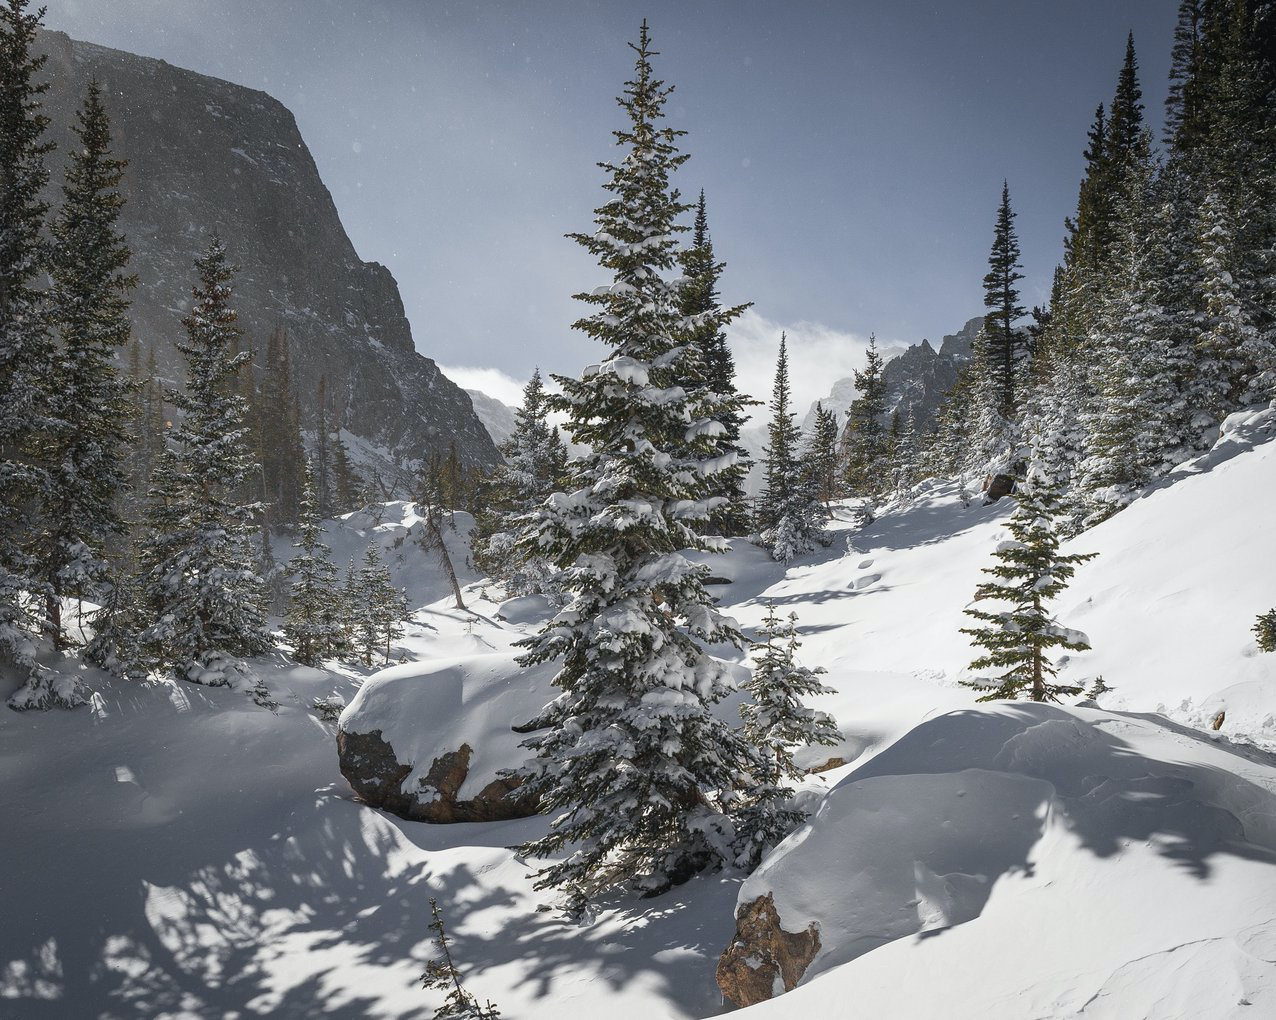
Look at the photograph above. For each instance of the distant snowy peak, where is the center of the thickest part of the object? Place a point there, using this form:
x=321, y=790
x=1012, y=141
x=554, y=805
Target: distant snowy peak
x=497, y=417
x=916, y=379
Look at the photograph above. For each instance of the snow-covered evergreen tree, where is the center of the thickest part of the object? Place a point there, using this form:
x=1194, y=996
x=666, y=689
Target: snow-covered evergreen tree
x=86, y=447
x=1224, y=329
x=708, y=319
x=535, y=464
x=1134, y=416
x=776, y=722
x=822, y=453
x=377, y=608
x=790, y=515
x=117, y=627
x=905, y=454
x=314, y=622
x=1006, y=353
x=1265, y=631
x=636, y=770
x=776, y=718
x=25, y=344
x=1029, y=574
x=199, y=579
x=866, y=447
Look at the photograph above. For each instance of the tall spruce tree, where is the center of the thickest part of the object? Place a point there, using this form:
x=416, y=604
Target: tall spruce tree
x=865, y=444
x=637, y=771
x=25, y=343
x=1184, y=113
x=822, y=453
x=200, y=584
x=700, y=303
x=1224, y=328
x=86, y=450
x=1006, y=348
x=1029, y=574
x=790, y=515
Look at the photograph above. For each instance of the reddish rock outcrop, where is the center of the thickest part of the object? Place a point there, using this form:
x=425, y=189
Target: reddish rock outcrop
x=764, y=959
x=376, y=775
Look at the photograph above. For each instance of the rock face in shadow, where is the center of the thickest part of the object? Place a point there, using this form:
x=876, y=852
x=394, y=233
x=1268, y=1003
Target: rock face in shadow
x=206, y=156
x=374, y=772
x=764, y=959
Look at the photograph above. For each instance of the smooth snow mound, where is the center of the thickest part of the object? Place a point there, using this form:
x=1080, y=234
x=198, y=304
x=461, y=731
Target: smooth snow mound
x=1035, y=861
x=425, y=710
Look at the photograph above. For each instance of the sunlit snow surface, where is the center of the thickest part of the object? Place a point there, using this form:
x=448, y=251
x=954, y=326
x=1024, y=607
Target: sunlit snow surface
x=174, y=851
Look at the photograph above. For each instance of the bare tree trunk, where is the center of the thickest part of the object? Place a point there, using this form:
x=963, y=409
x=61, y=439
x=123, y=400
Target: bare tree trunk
x=436, y=537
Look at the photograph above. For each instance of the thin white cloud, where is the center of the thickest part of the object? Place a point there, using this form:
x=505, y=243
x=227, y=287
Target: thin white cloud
x=492, y=381
x=819, y=356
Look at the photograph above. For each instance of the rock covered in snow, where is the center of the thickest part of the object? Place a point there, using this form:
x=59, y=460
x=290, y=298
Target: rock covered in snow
x=429, y=741
x=372, y=768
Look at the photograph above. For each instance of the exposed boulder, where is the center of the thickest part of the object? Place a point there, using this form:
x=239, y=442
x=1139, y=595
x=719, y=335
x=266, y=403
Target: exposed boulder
x=763, y=959
x=375, y=773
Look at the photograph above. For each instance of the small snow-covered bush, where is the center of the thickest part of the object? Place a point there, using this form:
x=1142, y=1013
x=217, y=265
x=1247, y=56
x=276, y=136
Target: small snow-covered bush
x=1265, y=631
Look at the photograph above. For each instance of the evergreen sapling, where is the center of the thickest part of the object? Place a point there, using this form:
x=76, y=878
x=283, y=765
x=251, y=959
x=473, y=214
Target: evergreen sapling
x=1029, y=574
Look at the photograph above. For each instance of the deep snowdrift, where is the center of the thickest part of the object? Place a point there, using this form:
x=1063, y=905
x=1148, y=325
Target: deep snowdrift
x=182, y=852
x=1094, y=862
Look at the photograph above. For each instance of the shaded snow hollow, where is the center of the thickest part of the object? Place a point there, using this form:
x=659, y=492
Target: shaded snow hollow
x=181, y=852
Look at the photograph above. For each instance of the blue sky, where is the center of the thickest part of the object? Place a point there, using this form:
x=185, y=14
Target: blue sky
x=852, y=152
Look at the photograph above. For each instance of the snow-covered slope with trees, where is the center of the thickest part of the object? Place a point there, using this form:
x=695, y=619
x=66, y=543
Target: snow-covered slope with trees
x=199, y=854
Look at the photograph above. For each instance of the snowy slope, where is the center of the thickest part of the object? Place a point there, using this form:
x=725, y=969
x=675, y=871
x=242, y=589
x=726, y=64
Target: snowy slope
x=1034, y=861
x=181, y=852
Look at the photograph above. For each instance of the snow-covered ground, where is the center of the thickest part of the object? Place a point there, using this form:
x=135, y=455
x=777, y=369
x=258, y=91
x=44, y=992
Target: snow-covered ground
x=181, y=852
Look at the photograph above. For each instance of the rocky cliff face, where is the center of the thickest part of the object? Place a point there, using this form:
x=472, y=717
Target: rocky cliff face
x=208, y=156
x=916, y=380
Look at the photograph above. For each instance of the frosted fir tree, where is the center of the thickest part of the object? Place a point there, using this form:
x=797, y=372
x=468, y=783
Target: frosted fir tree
x=777, y=721
x=117, y=627
x=86, y=449
x=1029, y=574
x=378, y=608
x=865, y=444
x=1133, y=419
x=637, y=772
x=1225, y=330
x=700, y=302
x=904, y=455
x=25, y=343
x=443, y=975
x=945, y=451
x=313, y=624
x=790, y=516
x=535, y=465
x=821, y=454
x=199, y=579
x=1055, y=424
